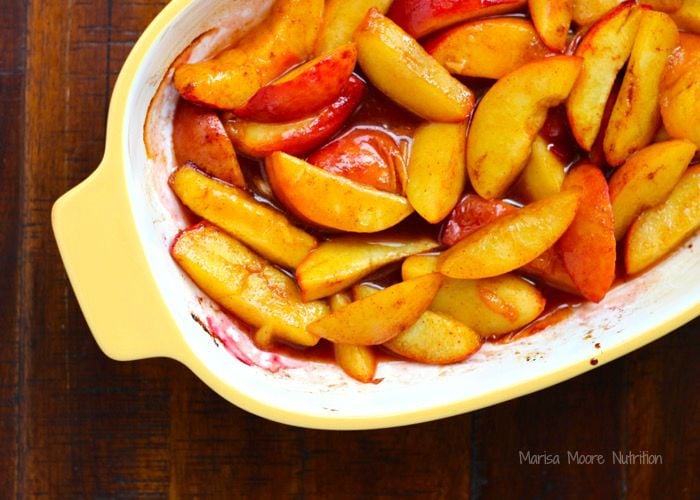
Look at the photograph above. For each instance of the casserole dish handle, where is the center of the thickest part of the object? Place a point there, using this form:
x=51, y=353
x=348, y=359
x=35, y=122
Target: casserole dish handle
x=107, y=267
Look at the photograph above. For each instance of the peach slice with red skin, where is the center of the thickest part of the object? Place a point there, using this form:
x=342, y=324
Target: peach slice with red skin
x=304, y=90
x=258, y=139
x=200, y=137
x=508, y=118
x=420, y=17
x=604, y=48
x=471, y=213
x=332, y=201
x=341, y=18
x=285, y=38
x=511, y=241
x=487, y=48
x=399, y=66
x=552, y=19
x=588, y=246
x=364, y=155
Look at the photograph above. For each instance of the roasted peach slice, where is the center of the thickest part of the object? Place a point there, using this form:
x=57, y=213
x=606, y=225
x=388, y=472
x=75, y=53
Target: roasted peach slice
x=552, y=19
x=304, y=90
x=338, y=263
x=680, y=90
x=420, y=17
x=588, y=245
x=358, y=361
x=365, y=155
x=490, y=306
x=511, y=241
x=604, y=49
x=646, y=179
x=381, y=316
x=471, y=213
x=543, y=174
x=246, y=284
x=487, y=48
x=508, y=118
x=657, y=231
x=258, y=139
x=587, y=12
x=436, y=339
x=436, y=169
x=286, y=37
x=635, y=117
x=341, y=18
x=200, y=137
x=262, y=228
x=398, y=66
x=330, y=200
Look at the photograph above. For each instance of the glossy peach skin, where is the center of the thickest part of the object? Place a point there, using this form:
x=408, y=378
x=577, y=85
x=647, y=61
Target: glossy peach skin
x=420, y=17
x=332, y=201
x=304, y=90
x=605, y=48
x=646, y=179
x=341, y=18
x=552, y=19
x=635, y=117
x=365, y=155
x=511, y=241
x=285, y=38
x=588, y=246
x=259, y=140
x=200, y=137
x=487, y=48
x=399, y=67
x=680, y=90
x=659, y=230
x=508, y=118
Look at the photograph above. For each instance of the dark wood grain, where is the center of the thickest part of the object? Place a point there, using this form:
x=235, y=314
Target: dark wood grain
x=74, y=424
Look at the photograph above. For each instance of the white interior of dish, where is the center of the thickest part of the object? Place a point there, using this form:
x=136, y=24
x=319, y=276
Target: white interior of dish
x=496, y=372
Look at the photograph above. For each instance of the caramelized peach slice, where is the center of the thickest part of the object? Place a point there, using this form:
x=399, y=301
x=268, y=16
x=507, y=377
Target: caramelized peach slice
x=420, y=17
x=285, y=38
x=490, y=306
x=331, y=200
x=358, y=361
x=471, y=213
x=657, y=231
x=436, y=169
x=687, y=17
x=543, y=174
x=604, y=49
x=304, y=90
x=680, y=91
x=398, y=66
x=646, y=179
x=636, y=117
x=508, y=118
x=436, y=339
x=511, y=241
x=338, y=263
x=258, y=139
x=200, y=137
x=587, y=12
x=588, y=246
x=365, y=155
x=247, y=285
x=262, y=228
x=552, y=19
x=549, y=268
x=487, y=48
x=379, y=317
x=341, y=18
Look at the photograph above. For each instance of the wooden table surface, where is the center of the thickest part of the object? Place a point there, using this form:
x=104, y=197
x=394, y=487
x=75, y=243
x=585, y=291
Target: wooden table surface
x=75, y=424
